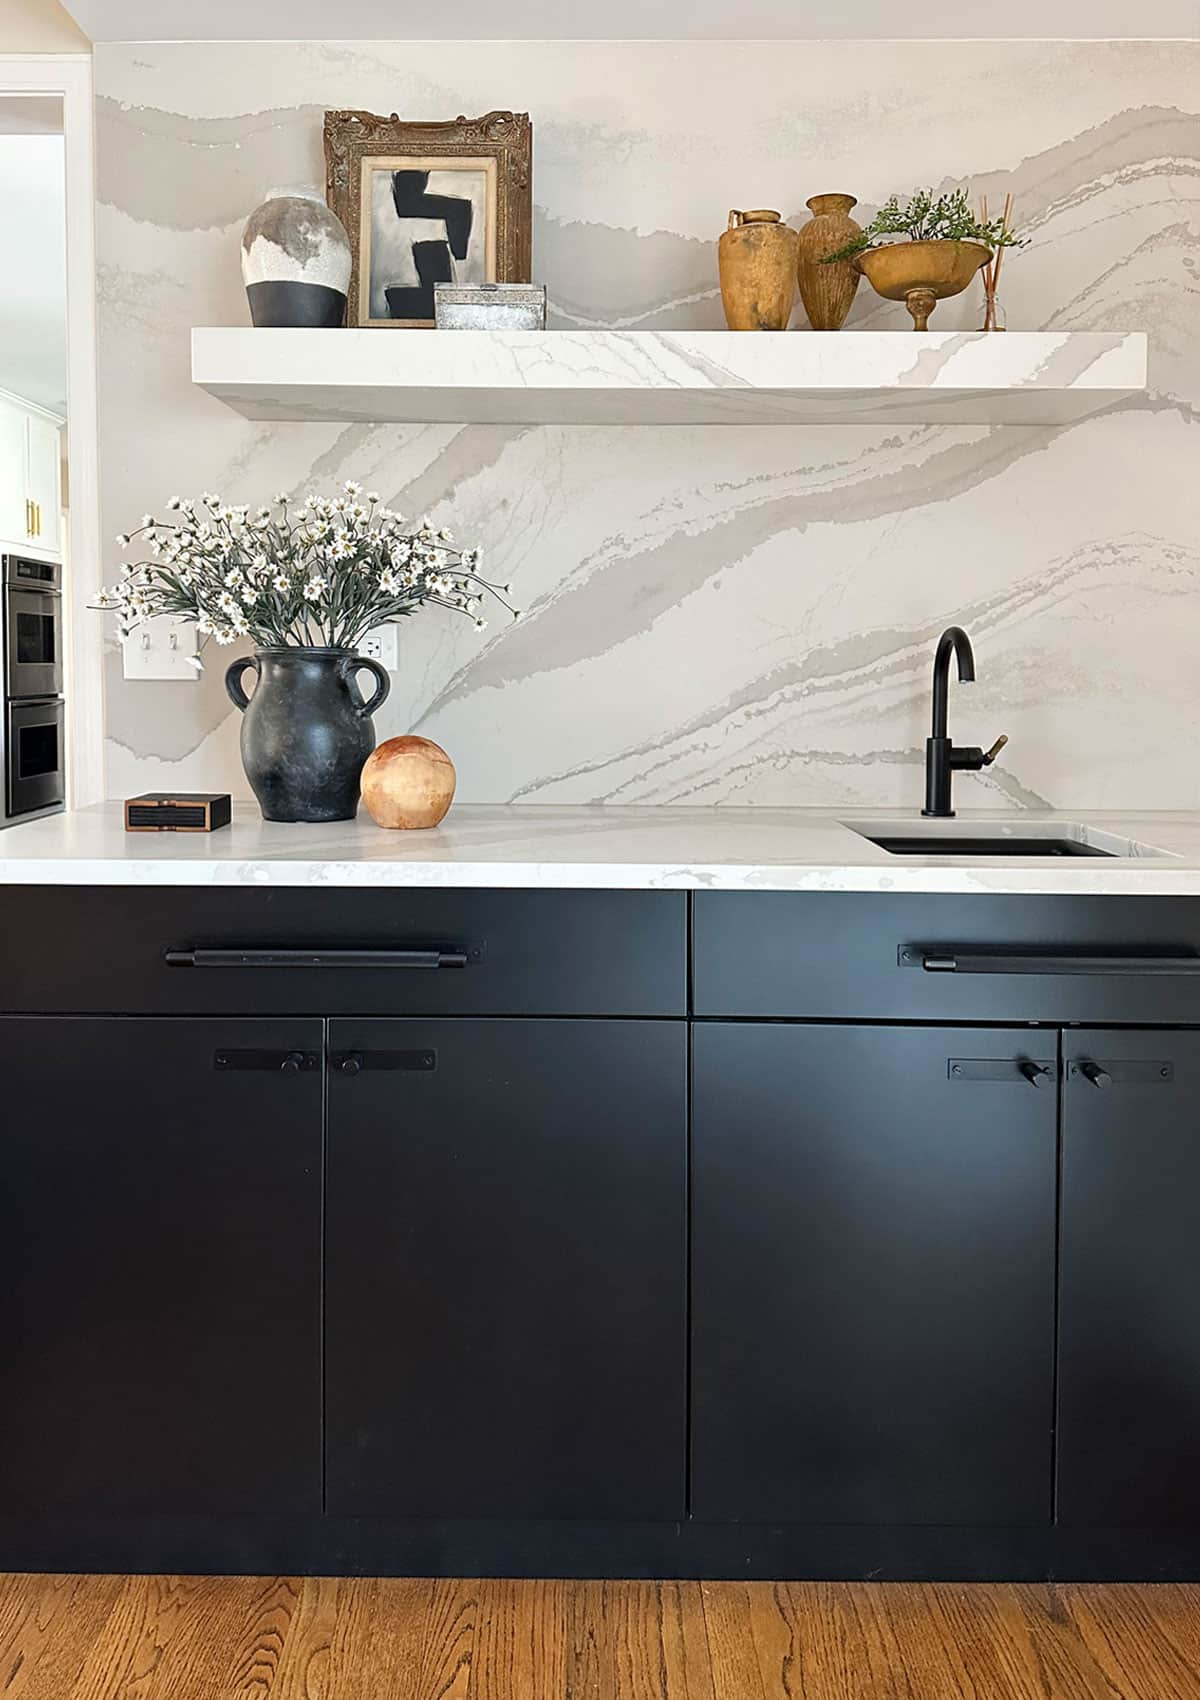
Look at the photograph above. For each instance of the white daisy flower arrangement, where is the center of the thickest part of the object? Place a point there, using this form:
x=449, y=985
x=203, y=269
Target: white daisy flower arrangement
x=316, y=573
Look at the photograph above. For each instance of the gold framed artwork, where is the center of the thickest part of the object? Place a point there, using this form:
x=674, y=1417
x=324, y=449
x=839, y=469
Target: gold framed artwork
x=428, y=203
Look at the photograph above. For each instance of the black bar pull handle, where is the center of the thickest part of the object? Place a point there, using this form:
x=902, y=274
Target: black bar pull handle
x=202, y=956
x=950, y=961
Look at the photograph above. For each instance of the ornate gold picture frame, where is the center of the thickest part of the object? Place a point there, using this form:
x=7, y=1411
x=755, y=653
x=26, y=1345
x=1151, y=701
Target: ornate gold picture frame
x=428, y=203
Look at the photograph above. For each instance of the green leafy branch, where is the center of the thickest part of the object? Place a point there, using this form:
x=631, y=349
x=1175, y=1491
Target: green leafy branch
x=948, y=219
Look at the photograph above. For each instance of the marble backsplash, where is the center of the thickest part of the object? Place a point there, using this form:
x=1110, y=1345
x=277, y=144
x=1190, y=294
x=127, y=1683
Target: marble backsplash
x=717, y=614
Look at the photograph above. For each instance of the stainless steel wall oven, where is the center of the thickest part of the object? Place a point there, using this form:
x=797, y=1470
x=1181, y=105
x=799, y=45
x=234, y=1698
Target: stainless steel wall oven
x=32, y=724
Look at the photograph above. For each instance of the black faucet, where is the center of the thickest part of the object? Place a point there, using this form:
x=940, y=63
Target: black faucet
x=942, y=757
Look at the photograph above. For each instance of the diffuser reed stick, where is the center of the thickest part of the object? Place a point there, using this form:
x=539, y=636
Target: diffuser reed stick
x=991, y=271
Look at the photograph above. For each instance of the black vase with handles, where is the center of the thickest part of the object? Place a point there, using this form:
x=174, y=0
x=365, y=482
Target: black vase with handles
x=307, y=730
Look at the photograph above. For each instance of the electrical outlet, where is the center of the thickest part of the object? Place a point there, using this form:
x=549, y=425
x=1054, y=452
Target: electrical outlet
x=382, y=645
x=164, y=648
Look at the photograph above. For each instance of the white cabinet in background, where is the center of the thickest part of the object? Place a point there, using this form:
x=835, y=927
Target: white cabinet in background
x=29, y=477
x=42, y=475
x=14, y=499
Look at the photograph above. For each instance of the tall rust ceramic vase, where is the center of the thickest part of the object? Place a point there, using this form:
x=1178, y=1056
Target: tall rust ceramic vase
x=757, y=261
x=827, y=291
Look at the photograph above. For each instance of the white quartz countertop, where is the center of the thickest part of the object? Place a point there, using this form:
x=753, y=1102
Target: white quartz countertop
x=647, y=848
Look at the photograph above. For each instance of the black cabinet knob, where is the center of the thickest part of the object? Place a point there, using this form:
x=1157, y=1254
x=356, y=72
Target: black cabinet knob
x=1037, y=1074
x=293, y=1062
x=351, y=1064
x=1097, y=1075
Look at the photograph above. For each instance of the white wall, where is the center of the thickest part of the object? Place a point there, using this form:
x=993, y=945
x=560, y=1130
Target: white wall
x=33, y=279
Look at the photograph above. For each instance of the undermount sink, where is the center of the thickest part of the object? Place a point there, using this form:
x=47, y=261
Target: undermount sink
x=1050, y=839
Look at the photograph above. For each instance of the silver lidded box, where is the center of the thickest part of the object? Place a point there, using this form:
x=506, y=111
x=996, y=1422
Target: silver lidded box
x=490, y=306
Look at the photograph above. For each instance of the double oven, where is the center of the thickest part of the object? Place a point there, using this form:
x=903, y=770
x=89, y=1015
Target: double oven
x=32, y=728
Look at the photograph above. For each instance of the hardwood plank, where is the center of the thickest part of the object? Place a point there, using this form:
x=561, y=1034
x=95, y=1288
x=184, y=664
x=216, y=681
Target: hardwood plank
x=149, y=1614
x=443, y=1670
x=799, y=1641
x=877, y=1637
x=29, y=1610
x=621, y=1647
x=520, y=1641
x=987, y=1634
x=937, y=1655
x=258, y=1637
x=303, y=1669
x=729, y=1630
x=685, y=1641
x=587, y=1668
x=1126, y=1632
x=48, y=1628
x=195, y=1658
x=777, y=1637
x=1177, y=1618
x=378, y=1637
x=1068, y=1671
x=633, y=1622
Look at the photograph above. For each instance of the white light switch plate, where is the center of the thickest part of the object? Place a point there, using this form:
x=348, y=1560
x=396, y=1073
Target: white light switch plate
x=160, y=650
x=382, y=645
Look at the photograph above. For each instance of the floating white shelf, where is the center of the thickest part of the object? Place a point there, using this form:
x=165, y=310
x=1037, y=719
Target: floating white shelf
x=669, y=377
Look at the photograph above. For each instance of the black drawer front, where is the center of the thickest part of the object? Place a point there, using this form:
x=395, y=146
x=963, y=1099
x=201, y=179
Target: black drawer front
x=868, y=956
x=395, y=952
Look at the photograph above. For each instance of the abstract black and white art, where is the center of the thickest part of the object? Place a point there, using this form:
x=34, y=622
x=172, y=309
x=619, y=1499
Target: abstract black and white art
x=425, y=221
x=428, y=202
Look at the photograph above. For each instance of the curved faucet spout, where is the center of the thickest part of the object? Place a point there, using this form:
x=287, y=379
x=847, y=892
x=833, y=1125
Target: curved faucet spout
x=953, y=641
x=942, y=758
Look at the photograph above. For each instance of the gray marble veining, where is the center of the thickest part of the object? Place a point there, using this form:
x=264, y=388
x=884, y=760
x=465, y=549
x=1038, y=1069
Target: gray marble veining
x=740, y=615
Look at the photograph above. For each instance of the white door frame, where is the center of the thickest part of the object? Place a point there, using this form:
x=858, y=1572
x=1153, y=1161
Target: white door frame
x=69, y=75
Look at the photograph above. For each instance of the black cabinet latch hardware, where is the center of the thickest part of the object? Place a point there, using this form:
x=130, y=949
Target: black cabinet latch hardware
x=270, y=1062
x=408, y=1062
x=1106, y=1074
x=1031, y=1071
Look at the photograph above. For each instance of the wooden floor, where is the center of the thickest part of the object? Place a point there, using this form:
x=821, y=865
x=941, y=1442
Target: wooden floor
x=206, y=1638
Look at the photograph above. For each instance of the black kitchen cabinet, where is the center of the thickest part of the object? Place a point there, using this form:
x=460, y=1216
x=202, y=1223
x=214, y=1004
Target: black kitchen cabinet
x=505, y=1281
x=873, y=1274
x=1129, y=1334
x=160, y=1217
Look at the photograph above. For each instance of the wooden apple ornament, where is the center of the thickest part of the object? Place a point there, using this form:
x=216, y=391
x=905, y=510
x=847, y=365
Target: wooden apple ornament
x=408, y=782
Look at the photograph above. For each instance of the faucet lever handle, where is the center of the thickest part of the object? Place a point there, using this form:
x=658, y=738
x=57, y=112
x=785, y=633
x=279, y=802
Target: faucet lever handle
x=989, y=756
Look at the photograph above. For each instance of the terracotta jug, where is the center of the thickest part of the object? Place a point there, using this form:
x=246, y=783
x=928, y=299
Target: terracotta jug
x=757, y=262
x=827, y=291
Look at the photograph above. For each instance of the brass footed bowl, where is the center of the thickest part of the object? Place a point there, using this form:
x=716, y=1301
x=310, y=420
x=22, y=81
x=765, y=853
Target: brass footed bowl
x=922, y=273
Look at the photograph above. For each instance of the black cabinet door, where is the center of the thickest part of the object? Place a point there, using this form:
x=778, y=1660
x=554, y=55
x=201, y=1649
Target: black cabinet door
x=1129, y=1290
x=873, y=1274
x=506, y=1268
x=159, y=1266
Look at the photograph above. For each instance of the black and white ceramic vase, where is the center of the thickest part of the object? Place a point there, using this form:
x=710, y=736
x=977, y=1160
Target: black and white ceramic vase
x=306, y=731
x=295, y=261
